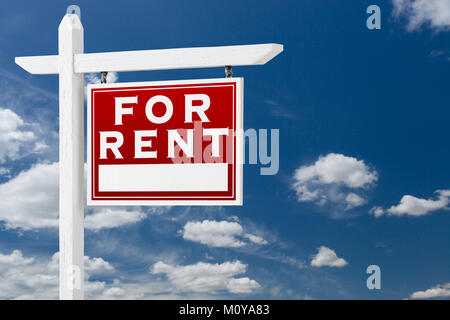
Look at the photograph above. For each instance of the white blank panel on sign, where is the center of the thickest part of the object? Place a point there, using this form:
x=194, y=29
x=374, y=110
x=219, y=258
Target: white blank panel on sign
x=163, y=177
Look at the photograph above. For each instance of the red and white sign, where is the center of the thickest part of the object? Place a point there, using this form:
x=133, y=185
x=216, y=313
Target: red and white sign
x=165, y=143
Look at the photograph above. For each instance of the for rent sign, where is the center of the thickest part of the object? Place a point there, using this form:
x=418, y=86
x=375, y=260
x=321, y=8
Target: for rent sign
x=165, y=143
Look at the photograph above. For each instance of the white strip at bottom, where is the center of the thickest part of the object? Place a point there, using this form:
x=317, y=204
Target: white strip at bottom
x=163, y=177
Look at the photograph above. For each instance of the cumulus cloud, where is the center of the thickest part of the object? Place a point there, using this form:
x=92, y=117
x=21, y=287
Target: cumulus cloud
x=91, y=265
x=242, y=285
x=97, y=265
x=26, y=278
x=13, y=135
x=108, y=218
x=32, y=278
x=412, y=206
x=432, y=13
x=438, y=291
x=23, y=277
x=113, y=217
x=336, y=179
x=30, y=201
x=327, y=257
x=255, y=239
x=207, y=277
x=14, y=259
x=218, y=234
x=354, y=200
x=377, y=211
x=36, y=277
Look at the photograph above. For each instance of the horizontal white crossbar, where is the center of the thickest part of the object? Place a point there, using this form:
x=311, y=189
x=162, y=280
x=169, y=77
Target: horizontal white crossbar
x=165, y=59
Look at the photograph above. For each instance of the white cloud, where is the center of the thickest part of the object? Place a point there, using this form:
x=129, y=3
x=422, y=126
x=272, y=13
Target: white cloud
x=327, y=257
x=242, y=285
x=37, y=278
x=435, y=292
x=377, y=211
x=107, y=218
x=97, y=265
x=207, y=277
x=25, y=277
x=32, y=278
x=331, y=178
x=255, y=239
x=114, y=292
x=354, y=200
x=218, y=234
x=432, y=13
x=91, y=265
x=412, y=206
x=37, y=110
x=12, y=260
x=337, y=168
x=30, y=200
x=214, y=233
x=13, y=136
x=40, y=146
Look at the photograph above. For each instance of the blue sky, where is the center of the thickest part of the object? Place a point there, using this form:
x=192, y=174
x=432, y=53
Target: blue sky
x=361, y=112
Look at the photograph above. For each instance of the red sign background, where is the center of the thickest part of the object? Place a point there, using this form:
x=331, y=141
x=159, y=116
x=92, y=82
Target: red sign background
x=222, y=113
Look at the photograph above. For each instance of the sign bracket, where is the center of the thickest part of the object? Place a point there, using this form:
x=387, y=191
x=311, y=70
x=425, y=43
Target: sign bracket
x=228, y=72
x=103, y=77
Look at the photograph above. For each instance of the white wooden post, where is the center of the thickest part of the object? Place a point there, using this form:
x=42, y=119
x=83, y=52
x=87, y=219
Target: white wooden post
x=71, y=161
x=71, y=63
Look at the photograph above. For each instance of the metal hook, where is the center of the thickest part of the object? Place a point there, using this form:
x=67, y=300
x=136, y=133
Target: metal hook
x=74, y=9
x=228, y=71
x=104, y=75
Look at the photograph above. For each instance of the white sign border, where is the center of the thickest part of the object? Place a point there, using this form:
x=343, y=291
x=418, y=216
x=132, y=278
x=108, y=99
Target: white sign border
x=238, y=201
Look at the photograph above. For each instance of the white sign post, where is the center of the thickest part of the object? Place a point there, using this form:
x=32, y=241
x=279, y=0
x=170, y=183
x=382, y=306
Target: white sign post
x=71, y=64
